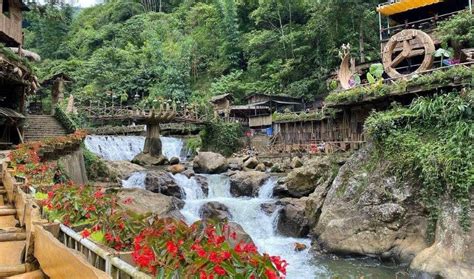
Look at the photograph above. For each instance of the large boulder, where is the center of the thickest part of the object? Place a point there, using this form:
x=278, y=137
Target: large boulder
x=368, y=211
x=236, y=163
x=303, y=181
x=452, y=253
x=210, y=163
x=292, y=220
x=247, y=183
x=162, y=182
x=143, y=202
x=296, y=162
x=251, y=163
x=174, y=161
x=204, y=183
x=124, y=169
x=145, y=159
x=261, y=167
x=214, y=211
x=241, y=236
x=177, y=168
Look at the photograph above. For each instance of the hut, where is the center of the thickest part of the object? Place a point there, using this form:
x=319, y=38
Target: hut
x=278, y=103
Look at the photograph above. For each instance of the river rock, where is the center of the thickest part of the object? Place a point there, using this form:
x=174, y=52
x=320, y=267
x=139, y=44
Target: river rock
x=296, y=162
x=241, y=236
x=203, y=182
x=145, y=159
x=144, y=202
x=162, y=182
x=270, y=207
x=371, y=213
x=188, y=173
x=214, y=211
x=174, y=161
x=235, y=163
x=124, y=169
x=303, y=181
x=251, y=163
x=300, y=247
x=277, y=168
x=452, y=253
x=292, y=220
x=261, y=167
x=210, y=163
x=247, y=183
x=176, y=168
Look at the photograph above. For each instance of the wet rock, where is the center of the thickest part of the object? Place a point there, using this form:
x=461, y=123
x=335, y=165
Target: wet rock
x=235, y=167
x=268, y=164
x=303, y=181
x=247, y=183
x=214, y=211
x=452, y=253
x=177, y=168
x=145, y=159
x=188, y=173
x=144, y=202
x=251, y=163
x=235, y=163
x=370, y=212
x=296, y=162
x=261, y=167
x=280, y=191
x=174, y=161
x=124, y=169
x=270, y=207
x=210, y=163
x=277, y=168
x=203, y=182
x=241, y=236
x=162, y=182
x=300, y=247
x=292, y=220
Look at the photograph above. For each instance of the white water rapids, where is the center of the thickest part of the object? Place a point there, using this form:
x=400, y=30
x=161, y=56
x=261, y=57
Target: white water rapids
x=125, y=148
x=245, y=211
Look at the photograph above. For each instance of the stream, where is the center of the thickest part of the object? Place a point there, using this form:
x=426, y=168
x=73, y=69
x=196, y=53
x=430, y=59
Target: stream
x=245, y=211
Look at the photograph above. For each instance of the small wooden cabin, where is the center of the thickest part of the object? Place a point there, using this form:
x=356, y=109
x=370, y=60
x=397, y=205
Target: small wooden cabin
x=222, y=102
x=278, y=103
x=11, y=18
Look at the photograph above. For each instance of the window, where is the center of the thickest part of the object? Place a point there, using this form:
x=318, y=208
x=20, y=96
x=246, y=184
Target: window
x=6, y=7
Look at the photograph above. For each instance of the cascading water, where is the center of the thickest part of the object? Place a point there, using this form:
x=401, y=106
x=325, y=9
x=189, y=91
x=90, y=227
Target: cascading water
x=248, y=213
x=125, y=148
x=136, y=180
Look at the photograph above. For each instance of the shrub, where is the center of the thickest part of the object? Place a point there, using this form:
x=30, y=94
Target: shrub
x=432, y=139
x=222, y=137
x=96, y=168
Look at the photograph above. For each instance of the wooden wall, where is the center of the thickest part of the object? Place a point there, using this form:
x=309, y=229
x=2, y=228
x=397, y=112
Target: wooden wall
x=260, y=121
x=10, y=26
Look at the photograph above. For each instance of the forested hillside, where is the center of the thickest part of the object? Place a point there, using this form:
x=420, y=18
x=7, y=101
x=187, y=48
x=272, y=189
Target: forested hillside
x=190, y=50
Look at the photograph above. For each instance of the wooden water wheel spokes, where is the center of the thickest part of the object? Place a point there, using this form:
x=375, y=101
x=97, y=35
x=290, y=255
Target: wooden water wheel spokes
x=403, y=47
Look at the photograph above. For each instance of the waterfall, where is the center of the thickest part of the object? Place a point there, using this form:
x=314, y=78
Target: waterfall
x=136, y=180
x=125, y=148
x=248, y=213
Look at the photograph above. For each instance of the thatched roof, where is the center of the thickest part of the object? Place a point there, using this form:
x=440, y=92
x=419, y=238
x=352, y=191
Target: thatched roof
x=30, y=55
x=221, y=97
x=56, y=76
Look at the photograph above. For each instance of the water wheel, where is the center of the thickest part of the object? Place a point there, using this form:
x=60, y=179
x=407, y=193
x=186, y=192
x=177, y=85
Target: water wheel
x=407, y=46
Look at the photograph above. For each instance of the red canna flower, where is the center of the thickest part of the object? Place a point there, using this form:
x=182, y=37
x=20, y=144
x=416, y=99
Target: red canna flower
x=214, y=258
x=110, y=238
x=219, y=270
x=225, y=255
x=279, y=264
x=171, y=247
x=99, y=194
x=85, y=233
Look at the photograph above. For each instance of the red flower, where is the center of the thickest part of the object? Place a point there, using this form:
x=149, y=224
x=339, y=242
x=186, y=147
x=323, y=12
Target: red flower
x=250, y=248
x=270, y=274
x=50, y=194
x=128, y=201
x=233, y=235
x=238, y=248
x=202, y=275
x=144, y=257
x=110, y=238
x=99, y=194
x=85, y=233
x=279, y=264
x=88, y=215
x=171, y=247
x=219, y=270
x=214, y=258
x=226, y=255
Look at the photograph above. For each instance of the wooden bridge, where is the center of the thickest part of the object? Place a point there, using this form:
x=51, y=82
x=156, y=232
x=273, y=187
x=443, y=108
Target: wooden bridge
x=164, y=114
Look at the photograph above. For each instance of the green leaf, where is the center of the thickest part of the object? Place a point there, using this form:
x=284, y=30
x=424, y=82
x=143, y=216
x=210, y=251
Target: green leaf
x=41, y=196
x=98, y=237
x=376, y=70
x=370, y=78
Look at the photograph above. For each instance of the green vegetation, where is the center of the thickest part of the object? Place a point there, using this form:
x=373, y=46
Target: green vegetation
x=13, y=57
x=194, y=144
x=374, y=91
x=96, y=168
x=305, y=116
x=195, y=49
x=222, y=137
x=433, y=140
x=458, y=31
x=65, y=120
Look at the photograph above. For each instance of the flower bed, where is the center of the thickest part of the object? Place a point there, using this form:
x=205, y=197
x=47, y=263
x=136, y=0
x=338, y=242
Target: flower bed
x=162, y=247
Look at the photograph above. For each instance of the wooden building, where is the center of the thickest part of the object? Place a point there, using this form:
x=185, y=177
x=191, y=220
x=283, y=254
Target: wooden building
x=278, y=103
x=222, y=103
x=11, y=18
x=16, y=78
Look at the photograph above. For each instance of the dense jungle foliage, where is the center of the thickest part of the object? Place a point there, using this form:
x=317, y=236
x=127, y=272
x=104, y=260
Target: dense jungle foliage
x=189, y=50
x=432, y=138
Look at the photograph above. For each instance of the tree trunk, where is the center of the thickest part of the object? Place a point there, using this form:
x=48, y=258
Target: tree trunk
x=361, y=43
x=153, y=141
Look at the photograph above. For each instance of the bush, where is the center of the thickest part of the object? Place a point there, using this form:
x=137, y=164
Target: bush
x=193, y=144
x=65, y=120
x=222, y=137
x=433, y=140
x=96, y=168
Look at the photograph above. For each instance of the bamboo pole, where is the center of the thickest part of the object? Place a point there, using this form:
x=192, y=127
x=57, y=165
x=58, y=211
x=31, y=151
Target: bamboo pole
x=10, y=270
x=4, y=237
x=7, y=212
